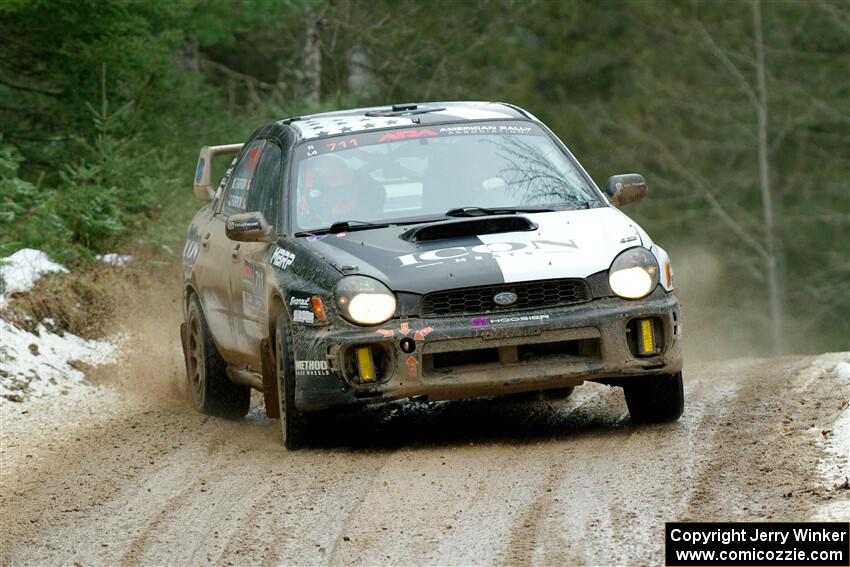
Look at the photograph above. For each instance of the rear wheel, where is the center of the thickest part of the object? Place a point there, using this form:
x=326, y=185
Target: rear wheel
x=655, y=399
x=292, y=422
x=212, y=392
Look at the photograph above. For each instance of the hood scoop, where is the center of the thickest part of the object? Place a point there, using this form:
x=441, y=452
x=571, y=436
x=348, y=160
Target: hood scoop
x=468, y=227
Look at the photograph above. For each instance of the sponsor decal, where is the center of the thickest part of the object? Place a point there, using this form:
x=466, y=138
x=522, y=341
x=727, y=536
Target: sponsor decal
x=238, y=194
x=244, y=225
x=192, y=247
x=303, y=316
x=254, y=275
x=311, y=150
x=406, y=135
x=420, y=334
x=253, y=159
x=387, y=333
x=342, y=145
x=299, y=301
x=404, y=330
x=493, y=249
x=311, y=367
x=253, y=289
x=486, y=322
x=517, y=319
x=484, y=129
x=412, y=365
x=282, y=258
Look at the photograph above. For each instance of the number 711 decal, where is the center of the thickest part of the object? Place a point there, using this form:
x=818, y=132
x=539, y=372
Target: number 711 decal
x=342, y=144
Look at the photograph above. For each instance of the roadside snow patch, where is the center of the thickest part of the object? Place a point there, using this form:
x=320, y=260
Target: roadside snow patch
x=114, y=259
x=834, y=467
x=21, y=270
x=43, y=364
x=842, y=371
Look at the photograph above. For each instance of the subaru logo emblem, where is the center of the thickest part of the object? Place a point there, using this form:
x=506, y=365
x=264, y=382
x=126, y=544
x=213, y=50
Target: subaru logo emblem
x=505, y=298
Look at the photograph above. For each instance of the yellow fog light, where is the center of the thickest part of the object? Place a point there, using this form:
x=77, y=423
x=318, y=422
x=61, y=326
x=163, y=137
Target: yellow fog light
x=365, y=364
x=646, y=338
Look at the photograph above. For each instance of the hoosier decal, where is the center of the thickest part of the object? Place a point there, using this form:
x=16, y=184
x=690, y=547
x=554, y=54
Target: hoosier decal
x=485, y=322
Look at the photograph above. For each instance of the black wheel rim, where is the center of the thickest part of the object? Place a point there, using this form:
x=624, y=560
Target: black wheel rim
x=197, y=376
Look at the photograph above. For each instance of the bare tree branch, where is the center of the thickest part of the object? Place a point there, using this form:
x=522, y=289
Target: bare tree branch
x=837, y=17
x=728, y=63
x=708, y=194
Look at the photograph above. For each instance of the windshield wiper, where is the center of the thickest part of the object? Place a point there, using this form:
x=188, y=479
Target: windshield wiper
x=484, y=211
x=343, y=226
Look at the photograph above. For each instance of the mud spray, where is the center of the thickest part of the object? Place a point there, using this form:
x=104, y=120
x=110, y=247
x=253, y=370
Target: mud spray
x=719, y=323
x=147, y=313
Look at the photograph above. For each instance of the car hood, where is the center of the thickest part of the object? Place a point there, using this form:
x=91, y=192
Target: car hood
x=566, y=244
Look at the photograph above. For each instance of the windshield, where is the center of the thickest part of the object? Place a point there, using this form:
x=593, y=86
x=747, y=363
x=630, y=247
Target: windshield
x=421, y=173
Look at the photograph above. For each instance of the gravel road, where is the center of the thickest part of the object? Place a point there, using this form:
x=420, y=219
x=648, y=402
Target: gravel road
x=126, y=473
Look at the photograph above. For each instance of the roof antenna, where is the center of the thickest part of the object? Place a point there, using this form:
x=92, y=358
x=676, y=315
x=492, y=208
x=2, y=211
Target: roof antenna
x=404, y=107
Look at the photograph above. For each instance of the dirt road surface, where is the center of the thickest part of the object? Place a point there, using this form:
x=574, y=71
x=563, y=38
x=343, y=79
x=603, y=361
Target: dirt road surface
x=126, y=473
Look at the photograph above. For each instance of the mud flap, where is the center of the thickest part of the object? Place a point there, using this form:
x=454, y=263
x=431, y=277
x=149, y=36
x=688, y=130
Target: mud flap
x=269, y=380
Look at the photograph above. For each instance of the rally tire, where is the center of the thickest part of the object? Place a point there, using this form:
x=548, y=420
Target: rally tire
x=557, y=393
x=212, y=392
x=292, y=422
x=537, y=395
x=655, y=399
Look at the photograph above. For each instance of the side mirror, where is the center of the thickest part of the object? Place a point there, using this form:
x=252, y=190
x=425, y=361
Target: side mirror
x=248, y=227
x=625, y=189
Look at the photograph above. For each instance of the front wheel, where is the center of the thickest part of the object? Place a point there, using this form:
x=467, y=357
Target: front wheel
x=292, y=422
x=557, y=393
x=655, y=399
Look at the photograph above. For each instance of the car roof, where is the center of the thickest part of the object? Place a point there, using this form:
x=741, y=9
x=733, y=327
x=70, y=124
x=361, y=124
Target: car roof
x=326, y=124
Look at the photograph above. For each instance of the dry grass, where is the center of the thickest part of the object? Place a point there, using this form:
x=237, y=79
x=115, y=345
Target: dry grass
x=101, y=301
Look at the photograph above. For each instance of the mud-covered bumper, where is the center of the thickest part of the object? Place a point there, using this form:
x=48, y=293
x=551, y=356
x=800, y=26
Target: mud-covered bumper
x=470, y=356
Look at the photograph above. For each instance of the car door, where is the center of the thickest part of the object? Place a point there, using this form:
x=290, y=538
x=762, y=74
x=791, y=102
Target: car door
x=218, y=255
x=248, y=275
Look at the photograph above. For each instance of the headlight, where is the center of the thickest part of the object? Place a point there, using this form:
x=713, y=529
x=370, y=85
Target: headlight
x=634, y=273
x=364, y=301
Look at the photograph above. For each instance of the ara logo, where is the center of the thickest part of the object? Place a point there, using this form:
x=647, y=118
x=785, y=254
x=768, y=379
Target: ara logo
x=493, y=249
x=406, y=134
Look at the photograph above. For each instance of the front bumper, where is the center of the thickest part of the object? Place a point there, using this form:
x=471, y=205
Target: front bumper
x=472, y=356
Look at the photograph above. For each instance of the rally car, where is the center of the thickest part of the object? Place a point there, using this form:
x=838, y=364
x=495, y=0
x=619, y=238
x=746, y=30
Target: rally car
x=430, y=251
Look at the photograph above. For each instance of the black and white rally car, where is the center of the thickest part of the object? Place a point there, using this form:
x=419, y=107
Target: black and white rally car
x=431, y=251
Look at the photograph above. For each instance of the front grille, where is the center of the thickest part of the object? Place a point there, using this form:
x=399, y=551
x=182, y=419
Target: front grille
x=530, y=295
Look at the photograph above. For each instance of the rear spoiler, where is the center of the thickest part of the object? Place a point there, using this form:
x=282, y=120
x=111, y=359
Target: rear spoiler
x=203, y=188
